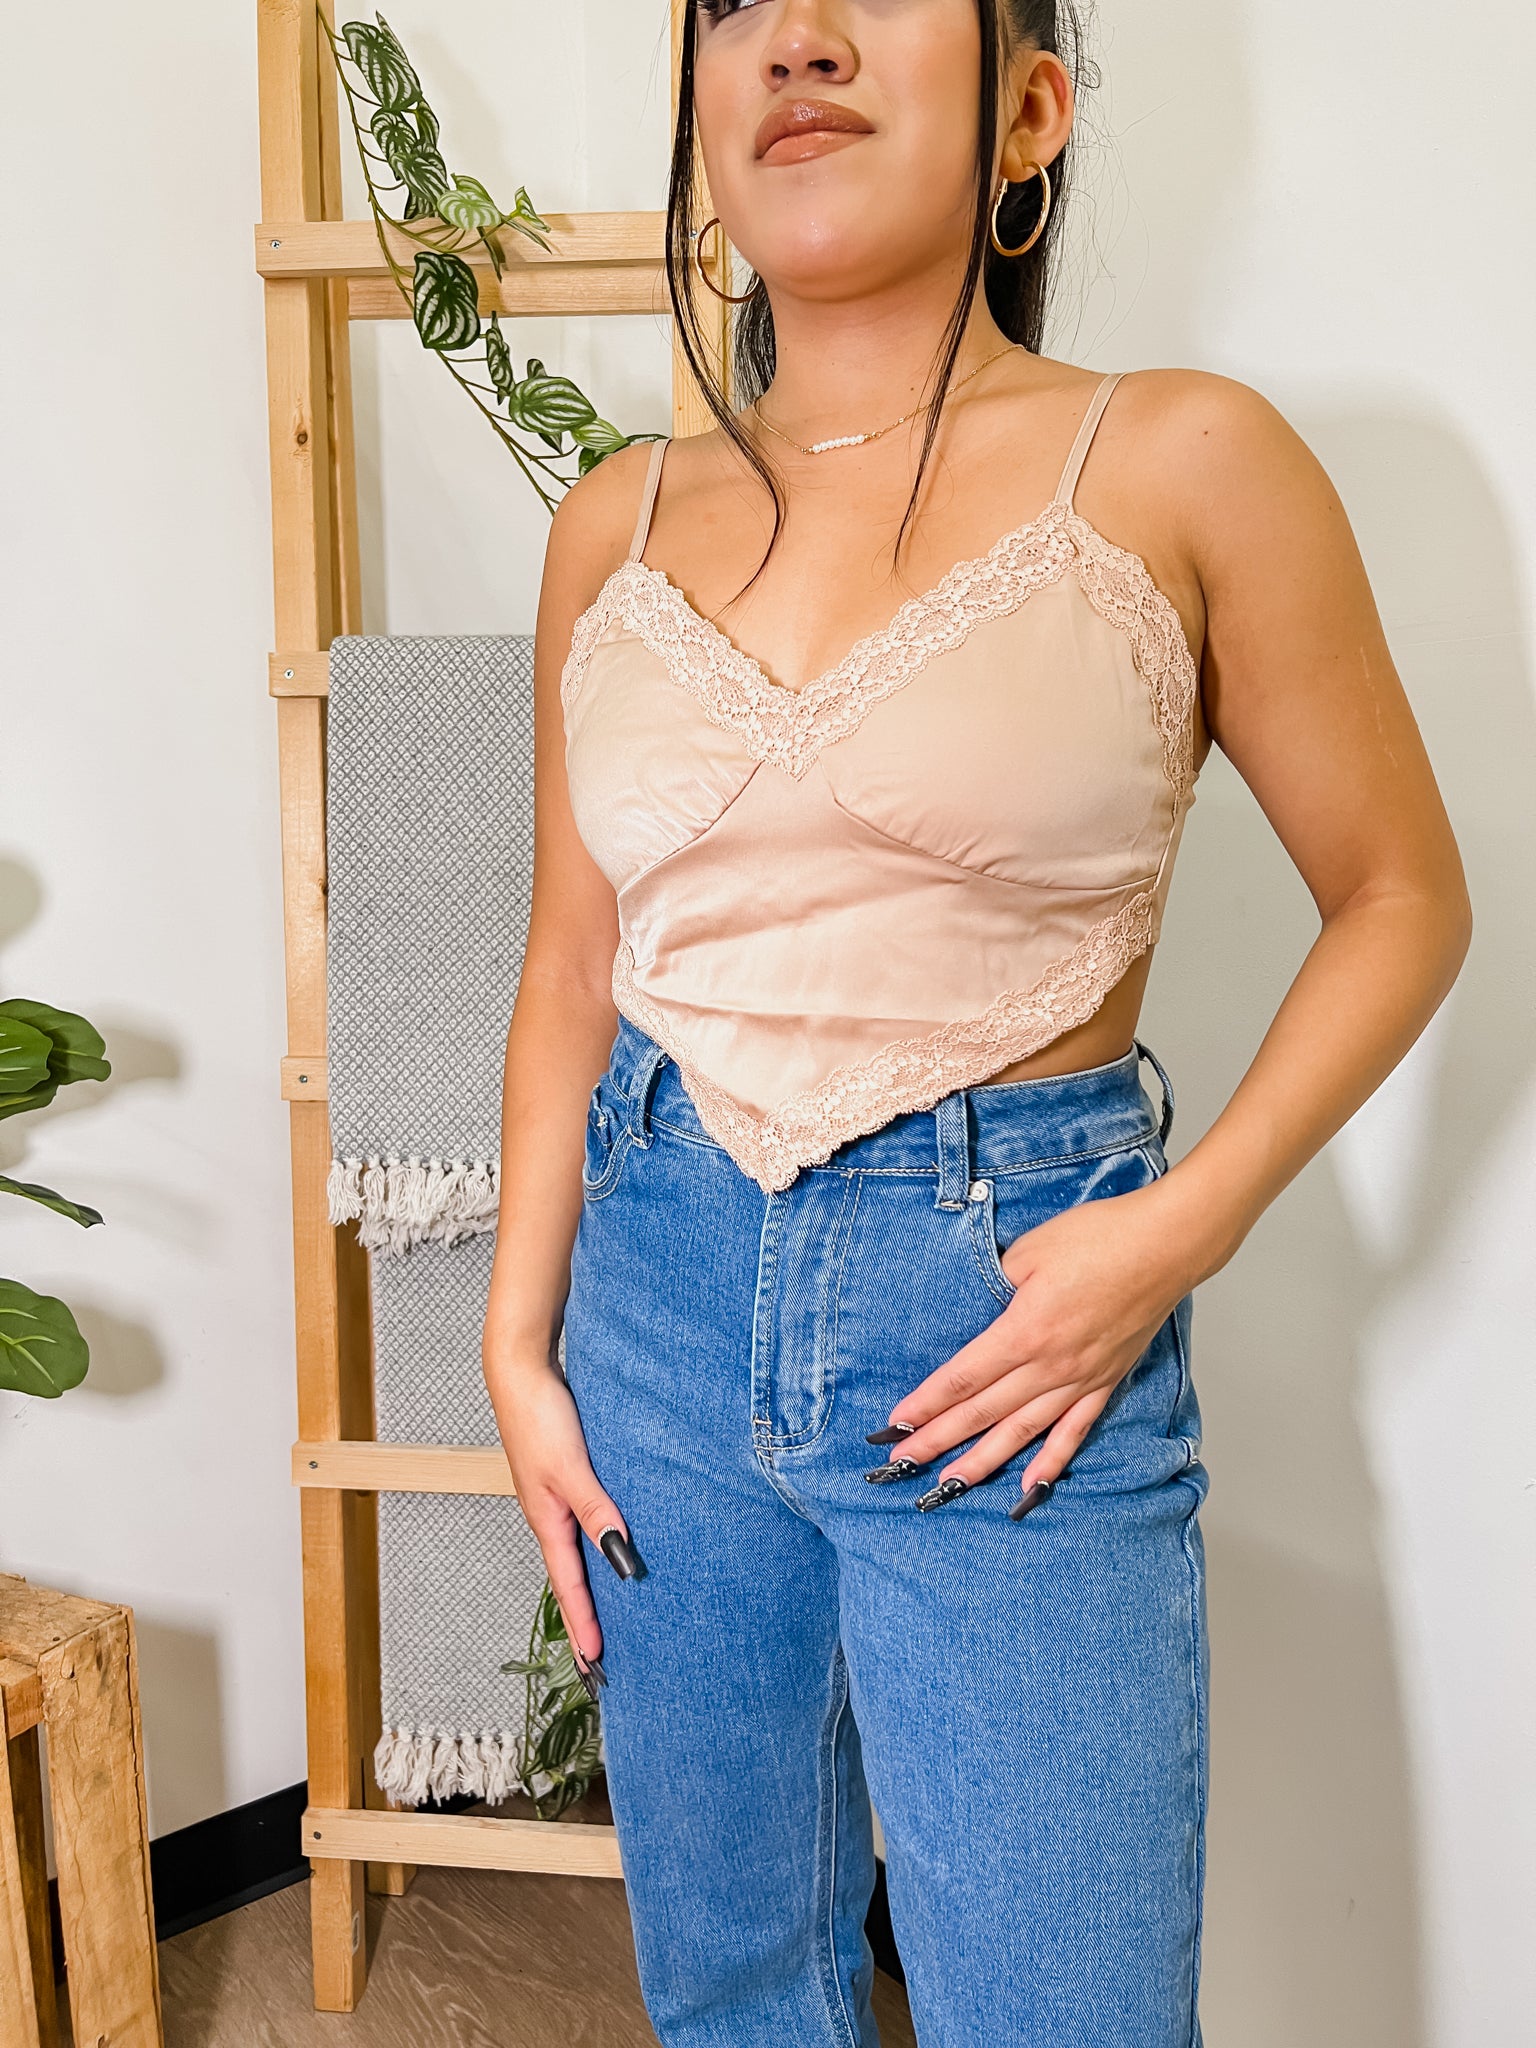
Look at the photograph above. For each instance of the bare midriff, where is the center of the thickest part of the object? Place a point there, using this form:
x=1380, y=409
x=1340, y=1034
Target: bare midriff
x=1107, y=1035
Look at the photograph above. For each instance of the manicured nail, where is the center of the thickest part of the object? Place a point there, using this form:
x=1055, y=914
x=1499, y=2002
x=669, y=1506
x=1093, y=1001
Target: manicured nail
x=892, y=1433
x=1040, y=1491
x=947, y=1489
x=595, y=1666
x=621, y=1554
x=896, y=1468
x=588, y=1681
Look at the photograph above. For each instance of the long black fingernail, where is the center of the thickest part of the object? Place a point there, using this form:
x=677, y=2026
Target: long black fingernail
x=588, y=1681
x=595, y=1666
x=1040, y=1491
x=892, y=1433
x=947, y=1489
x=895, y=1468
x=621, y=1554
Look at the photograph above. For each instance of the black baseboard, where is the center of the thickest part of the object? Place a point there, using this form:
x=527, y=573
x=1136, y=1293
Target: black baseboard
x=226, y=1861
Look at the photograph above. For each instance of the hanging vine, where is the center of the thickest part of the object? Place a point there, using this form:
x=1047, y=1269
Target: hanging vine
x=546, y=421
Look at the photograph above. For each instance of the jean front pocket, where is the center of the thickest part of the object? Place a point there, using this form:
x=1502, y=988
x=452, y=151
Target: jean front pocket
x=988, y=1251
x=608, y=1140
x=1005, y=1205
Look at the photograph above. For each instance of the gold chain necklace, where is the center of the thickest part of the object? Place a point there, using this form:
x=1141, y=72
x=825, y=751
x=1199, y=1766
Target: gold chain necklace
x=857, y=440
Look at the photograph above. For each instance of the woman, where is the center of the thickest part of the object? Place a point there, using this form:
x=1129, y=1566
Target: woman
x=860, y=777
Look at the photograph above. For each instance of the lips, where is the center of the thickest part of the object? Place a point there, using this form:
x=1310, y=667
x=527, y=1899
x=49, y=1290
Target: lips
x=805, y=120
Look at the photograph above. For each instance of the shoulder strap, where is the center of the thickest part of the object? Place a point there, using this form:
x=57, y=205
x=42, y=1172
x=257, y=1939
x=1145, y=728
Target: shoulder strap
x=647, y=500
x=1067, y=488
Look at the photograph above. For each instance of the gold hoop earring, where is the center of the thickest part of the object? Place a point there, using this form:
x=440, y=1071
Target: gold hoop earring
x=731, y=298
x=1045, y=209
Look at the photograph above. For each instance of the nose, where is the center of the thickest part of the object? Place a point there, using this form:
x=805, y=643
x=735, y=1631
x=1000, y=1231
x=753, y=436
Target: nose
x=809, y=45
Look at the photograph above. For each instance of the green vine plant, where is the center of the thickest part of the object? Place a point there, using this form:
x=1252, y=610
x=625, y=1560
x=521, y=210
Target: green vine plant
x=549, y=425
x=41, y=1051
x=561, y=1749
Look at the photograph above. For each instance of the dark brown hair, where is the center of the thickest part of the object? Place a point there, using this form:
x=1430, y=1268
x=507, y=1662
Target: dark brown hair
x=1017, y=288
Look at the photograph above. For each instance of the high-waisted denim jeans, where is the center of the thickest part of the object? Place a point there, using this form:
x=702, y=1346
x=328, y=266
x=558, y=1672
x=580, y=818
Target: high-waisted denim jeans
x=1024, y=1701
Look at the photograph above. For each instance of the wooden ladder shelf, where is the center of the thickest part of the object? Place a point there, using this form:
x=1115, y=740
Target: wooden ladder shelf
x=320, y=273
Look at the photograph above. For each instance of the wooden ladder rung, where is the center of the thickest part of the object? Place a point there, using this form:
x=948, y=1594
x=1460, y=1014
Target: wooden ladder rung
x=350, y=248
x=304, y=1079
x=366, y=1467
x=597, y=263
x=461, y=1841
x=305, y=674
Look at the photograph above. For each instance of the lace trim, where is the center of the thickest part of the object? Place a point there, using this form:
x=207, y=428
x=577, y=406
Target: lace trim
x=789, y=728
x=910, y=1073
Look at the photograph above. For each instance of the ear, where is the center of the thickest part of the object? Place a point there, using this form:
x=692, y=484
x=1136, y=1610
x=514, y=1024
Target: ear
x=1037, y=107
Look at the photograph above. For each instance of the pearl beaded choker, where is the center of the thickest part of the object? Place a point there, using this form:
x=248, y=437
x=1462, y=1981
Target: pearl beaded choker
x=858, y=440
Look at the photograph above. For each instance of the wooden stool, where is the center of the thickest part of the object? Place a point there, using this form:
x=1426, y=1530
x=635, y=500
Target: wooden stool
x=71, y=1665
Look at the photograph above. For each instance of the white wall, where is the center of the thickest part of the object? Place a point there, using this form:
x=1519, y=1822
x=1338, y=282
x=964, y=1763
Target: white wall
x=1333, y=205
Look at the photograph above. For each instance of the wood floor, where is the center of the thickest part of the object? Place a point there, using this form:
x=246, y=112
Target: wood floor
x=466, y=1959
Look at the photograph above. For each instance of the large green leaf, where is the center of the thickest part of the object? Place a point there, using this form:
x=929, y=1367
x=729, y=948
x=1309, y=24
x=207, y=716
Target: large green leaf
x=425, y=176
x=559, y=1742
x=565, y=1793
x=468, y=206
x=549, y=406
x=41, y=1349
x=447, y=300
x=599, y=435
x=77, y=1212
x=78, y=1047
x=25, y=1053
x=386, y=69
x=394, y=135
x=35, y=1098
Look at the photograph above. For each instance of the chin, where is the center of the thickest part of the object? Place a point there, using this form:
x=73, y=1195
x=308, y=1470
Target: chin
x=825, y=258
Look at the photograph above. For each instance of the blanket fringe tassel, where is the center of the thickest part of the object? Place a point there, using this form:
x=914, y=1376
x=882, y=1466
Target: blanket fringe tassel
x=415, y=1764
x=398, y=1203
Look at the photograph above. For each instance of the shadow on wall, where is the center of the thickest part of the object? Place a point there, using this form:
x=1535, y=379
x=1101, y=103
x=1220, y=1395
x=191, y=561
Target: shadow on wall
x=1319, y=1831
x=179, y=1676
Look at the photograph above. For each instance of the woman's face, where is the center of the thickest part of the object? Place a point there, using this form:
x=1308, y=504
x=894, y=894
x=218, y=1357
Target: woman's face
x=839, y=136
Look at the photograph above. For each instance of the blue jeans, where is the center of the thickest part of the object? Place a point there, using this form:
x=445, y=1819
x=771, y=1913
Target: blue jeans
x=1024, y=1701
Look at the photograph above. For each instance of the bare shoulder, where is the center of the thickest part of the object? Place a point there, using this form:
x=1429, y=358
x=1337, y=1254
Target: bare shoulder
x=589, y=534
x=1220, y=457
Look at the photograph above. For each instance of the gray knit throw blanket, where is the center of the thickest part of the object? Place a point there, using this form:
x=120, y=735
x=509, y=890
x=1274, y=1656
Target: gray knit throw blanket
x=430, y=838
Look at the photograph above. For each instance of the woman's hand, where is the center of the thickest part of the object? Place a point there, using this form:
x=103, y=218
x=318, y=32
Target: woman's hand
x=556, y=1486
x=1095, y=1284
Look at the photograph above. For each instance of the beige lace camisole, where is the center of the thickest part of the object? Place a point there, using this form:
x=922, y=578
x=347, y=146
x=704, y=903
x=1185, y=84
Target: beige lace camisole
x=837, y=903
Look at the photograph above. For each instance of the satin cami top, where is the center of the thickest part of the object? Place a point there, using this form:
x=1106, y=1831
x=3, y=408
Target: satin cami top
x=840, y=902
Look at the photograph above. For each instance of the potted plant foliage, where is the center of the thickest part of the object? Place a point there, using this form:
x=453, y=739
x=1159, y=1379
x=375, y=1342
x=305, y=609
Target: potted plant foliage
x=41, y=1051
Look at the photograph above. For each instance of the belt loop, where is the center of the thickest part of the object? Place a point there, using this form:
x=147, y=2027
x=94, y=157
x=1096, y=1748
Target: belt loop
x=1161, y=1071
x=954, y=1140
x=642, y=1083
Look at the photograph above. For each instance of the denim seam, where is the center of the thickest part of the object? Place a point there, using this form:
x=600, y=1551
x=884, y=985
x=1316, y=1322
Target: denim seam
x=1195, y=1596
x=1130, y=1142
x=837, y=2005
x=846, y=1221
x=982, y=1228
x=763, y=1455
x=767, y=1260
x=802, y=1439
x=613, y=1166
x=1201, y=1767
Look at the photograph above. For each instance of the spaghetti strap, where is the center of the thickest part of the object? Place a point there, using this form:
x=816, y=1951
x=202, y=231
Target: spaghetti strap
x=1073, y=469
x=648, y=500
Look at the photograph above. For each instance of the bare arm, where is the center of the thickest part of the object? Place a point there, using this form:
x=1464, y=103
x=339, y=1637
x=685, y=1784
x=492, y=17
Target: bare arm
x=562, y=1028
x=1300, y=691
